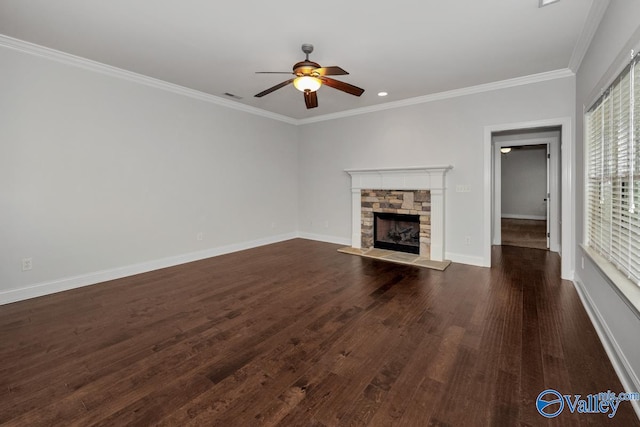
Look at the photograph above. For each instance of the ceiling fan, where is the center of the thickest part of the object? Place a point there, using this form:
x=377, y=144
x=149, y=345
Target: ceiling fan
x=309, y=77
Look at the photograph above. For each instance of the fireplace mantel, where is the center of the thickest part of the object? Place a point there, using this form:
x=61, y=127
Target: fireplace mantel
x=430, y=178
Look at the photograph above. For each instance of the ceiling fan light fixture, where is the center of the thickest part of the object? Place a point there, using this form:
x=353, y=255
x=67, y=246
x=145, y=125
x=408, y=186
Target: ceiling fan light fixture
x=307, y=83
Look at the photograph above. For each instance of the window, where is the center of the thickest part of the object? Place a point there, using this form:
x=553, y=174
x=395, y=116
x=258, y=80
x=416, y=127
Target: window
x=613, y=167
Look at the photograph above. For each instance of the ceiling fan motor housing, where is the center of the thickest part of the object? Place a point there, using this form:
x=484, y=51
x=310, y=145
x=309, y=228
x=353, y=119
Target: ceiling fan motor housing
x=305, y=68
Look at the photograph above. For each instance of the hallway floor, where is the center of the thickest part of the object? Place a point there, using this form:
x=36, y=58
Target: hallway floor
x=526, y=233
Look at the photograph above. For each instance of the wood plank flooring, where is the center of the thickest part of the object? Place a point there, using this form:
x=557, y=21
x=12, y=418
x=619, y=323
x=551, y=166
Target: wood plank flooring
x=526, y=233
x=297, y=334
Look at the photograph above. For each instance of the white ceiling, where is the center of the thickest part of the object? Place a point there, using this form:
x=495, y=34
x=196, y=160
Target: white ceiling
x=407, y=48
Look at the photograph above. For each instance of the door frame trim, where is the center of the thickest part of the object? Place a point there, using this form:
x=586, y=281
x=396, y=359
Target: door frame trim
x=567, y=162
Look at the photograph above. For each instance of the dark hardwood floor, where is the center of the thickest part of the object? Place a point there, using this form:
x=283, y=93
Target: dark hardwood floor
x=297, y=334
x=526, y=233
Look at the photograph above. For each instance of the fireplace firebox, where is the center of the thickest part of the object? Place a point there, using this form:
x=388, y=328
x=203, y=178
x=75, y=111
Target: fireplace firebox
x=396, y=232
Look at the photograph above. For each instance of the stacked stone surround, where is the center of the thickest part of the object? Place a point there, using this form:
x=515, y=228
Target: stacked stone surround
x=415, y=202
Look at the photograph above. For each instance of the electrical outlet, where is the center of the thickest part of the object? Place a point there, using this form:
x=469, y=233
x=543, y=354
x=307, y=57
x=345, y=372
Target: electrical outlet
x=467, y=240
x=27, y=264
x=273, y=225
x=463, y=189
x=326, y=224
x=200, y=236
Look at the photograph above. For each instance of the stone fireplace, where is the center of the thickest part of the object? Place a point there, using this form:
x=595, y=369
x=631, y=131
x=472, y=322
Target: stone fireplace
x=416, y=192
x=384, y=218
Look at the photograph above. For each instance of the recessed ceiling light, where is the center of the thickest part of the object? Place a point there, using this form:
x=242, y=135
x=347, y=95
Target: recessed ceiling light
x=382, y=94
x=505, y=150
x=547, y=2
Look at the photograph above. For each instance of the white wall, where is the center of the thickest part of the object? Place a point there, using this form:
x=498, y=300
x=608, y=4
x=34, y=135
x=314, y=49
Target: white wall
x=524, y=183
x=449, y=131
x=618, y=32
x=98, y=173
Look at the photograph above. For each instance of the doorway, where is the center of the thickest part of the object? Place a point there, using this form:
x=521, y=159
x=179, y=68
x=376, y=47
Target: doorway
x=527, y=188
x=525, y=196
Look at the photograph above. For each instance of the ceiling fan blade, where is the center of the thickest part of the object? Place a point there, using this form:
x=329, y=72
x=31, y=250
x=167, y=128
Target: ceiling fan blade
x=345, y=87
x=274, y=72
x=330, y=71
x=311, y=99
x=271, y=89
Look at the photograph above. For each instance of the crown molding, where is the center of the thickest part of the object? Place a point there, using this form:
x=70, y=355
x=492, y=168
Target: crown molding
x=615, y=69
x=88, y=64
x=502, y=84
x=596, y=12
x=77, y=61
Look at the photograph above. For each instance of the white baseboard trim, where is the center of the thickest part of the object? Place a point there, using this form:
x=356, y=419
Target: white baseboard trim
x=67, y=283
x=626, y=374
x=518, y=216
x=466, y=259
x=324, y=238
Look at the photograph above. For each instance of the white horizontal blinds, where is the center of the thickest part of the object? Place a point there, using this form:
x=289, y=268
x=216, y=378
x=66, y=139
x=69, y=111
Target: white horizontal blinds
x=613, y=183
x=620, y=245
x=595, y=182
x=634, y=135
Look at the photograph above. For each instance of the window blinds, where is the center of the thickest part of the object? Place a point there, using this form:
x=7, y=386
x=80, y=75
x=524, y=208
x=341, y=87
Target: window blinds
x=613, y=172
